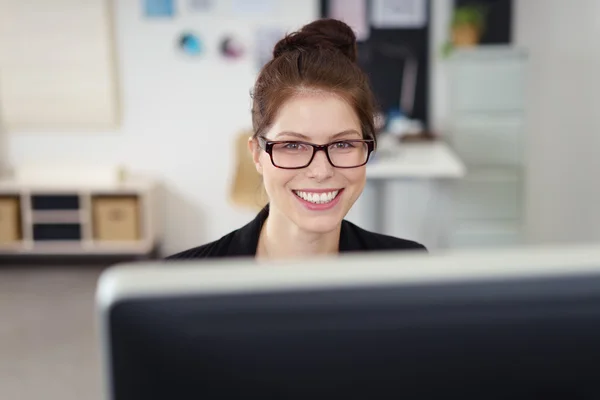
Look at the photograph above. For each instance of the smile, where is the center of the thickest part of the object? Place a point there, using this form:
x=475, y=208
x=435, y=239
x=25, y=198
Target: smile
x=317, y=198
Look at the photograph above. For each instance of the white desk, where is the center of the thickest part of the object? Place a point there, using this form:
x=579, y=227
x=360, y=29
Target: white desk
x=409, y=192
x=428, y=160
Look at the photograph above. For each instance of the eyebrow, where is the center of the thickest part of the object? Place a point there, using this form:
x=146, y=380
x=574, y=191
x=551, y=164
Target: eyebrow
x=304, y=137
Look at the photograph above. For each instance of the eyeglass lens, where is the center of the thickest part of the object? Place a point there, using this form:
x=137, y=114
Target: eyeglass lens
x=342, y=154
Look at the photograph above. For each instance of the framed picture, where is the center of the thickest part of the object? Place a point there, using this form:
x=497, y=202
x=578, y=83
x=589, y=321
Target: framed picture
x=159, y=8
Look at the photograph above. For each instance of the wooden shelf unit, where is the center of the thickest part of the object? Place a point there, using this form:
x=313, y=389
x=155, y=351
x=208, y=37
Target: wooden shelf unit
x=76, y=219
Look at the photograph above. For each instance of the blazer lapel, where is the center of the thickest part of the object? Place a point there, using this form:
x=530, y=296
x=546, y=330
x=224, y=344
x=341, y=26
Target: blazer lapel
x=246, y=238
x=349, y=239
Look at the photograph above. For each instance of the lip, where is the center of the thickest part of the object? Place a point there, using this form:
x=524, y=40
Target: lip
x=319, y=207
x=317, y=190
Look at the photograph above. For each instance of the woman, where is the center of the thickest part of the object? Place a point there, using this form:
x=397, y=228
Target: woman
x=312, y=116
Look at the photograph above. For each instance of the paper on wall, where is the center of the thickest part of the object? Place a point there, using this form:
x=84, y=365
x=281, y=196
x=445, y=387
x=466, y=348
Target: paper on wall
x=394, y=14
x=159, y=8
x=265, y=39
x=200, y=5
x=352, y=12
x=254, y=7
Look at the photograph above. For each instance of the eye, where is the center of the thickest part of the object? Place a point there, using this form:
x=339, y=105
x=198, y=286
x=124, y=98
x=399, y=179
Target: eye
x=343, y=145
x=292, y=146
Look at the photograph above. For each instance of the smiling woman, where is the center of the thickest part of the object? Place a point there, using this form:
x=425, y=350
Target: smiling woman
x=313, y=118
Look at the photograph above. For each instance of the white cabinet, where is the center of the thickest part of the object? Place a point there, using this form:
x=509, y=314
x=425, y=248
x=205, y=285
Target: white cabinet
x=489, y=140
x=490, y=80
x=486, y=122
x=489, y=195
x=482, y=233
x=57, y=65
x=75, y=218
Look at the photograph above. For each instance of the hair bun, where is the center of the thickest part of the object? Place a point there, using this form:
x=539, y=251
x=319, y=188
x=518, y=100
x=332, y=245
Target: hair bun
x=324, y=33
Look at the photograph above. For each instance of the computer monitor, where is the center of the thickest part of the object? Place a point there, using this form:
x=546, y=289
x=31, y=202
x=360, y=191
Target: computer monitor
x=506, y=324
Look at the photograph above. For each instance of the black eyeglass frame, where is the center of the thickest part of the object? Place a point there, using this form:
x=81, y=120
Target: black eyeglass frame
x=267, y=146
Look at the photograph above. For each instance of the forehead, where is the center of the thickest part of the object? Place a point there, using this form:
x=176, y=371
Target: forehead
x=315, y=115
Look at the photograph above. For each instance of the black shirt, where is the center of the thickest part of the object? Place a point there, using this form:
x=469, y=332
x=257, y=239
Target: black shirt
x=244, y=241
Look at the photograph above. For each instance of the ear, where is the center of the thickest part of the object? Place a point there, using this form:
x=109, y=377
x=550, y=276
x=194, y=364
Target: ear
x=255, y=150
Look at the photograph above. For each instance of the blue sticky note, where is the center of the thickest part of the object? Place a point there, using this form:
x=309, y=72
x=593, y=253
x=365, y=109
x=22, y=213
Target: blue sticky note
x=159, y=8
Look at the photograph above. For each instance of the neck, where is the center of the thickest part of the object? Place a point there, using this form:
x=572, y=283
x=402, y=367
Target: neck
x=280, y=238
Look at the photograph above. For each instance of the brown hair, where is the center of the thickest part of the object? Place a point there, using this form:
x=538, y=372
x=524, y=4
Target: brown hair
x=320, y=56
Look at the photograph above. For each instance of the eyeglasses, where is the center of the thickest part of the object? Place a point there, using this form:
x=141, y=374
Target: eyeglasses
x=297, y=155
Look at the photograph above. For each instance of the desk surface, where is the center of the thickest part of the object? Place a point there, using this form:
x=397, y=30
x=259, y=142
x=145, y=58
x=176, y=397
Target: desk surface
x=428, y=160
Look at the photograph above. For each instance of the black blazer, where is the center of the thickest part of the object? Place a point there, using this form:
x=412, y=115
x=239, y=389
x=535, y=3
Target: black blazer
x=243, y=241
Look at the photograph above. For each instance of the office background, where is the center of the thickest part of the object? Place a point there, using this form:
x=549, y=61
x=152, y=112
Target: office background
x=175, y=110
x=203, y=104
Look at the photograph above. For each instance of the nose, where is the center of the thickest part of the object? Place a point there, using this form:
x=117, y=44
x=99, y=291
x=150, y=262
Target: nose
x=320, y=168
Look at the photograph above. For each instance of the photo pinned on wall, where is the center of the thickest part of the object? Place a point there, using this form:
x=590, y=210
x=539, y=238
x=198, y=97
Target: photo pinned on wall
x=190, y=44
x=159, y=8
x=231, y=47
x=200, y=5
x=354, y=13
x=266, y=37
x=399, y=14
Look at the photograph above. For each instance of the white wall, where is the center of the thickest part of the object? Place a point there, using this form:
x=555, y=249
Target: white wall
x=563, y=118
x=3, y=151
x=180, y=116
x=177, y=111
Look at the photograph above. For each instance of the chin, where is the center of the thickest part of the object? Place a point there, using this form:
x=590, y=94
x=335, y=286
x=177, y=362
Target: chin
x=321, y=224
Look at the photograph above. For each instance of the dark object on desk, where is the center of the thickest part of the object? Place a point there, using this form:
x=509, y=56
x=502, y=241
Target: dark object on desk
x=425, y=136
x=201, y=337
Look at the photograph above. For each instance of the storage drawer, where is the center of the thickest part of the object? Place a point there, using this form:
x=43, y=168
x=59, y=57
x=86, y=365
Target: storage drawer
x=493, y=84
x=116, y=218
x=56, y=231
x=488, y=195
x=489, y=141
x=54, y=202
x=10, y=219
x=486, y=234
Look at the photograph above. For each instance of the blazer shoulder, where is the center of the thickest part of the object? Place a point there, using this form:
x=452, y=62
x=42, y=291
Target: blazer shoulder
x=214, y=249
x=241, y=242
x=378, y=241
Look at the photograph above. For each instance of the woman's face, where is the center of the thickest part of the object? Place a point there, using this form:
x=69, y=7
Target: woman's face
x=315, y=198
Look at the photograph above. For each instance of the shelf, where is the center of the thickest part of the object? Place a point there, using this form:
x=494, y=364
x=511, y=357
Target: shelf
x=55, y=202
x=11, y=246
x=59, y=217
x=91, y=219
x=57, y=232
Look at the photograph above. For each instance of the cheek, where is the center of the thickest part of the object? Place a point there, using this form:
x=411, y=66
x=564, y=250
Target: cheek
x=355, y=176
x=275, y=178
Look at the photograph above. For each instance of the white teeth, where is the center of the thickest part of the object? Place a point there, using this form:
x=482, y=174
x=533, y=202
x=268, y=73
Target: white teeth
x=317, y=198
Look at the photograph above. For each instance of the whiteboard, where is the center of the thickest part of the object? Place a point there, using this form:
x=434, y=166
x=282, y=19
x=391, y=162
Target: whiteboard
x=57, y=65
